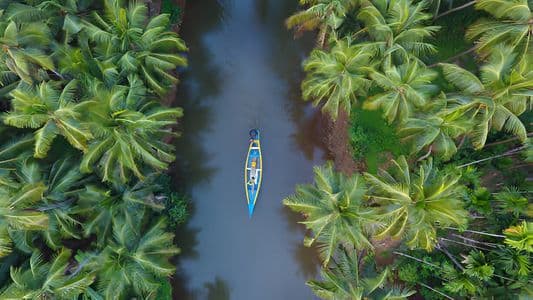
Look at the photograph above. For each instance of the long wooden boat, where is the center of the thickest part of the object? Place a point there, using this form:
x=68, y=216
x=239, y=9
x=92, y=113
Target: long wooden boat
x=253, y=170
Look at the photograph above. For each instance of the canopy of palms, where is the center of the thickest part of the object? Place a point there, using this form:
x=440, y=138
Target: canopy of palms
x=51, y=194
x=415, y=204
x=405, y=88
x=134, y=260
x=498, y=98
x=352, y=279
x=396, y=29
x=436, y=129
x=335, y=211
x=337, y=77
x=127, y=132
x=56, y=279
x=511, y=24
x=125, y=39
x=52, y=110
x=325, y=15
x=102, y=207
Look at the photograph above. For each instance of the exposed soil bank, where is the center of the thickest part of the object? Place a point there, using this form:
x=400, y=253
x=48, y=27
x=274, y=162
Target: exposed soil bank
x=337, y=143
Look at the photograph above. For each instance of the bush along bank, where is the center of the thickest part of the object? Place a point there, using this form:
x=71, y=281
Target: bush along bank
x=83, y=209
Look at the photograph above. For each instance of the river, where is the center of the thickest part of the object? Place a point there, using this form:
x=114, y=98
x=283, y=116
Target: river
x=244, y=72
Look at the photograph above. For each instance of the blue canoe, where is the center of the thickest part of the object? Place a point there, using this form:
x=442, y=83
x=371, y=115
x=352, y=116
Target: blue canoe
x=253, y=170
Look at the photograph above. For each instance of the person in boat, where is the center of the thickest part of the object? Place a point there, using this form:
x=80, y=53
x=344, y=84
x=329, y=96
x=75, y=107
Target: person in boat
x=253, y=171
x=251, y=181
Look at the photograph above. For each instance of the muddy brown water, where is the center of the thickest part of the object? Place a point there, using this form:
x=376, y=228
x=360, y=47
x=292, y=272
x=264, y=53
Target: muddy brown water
x=244, y=72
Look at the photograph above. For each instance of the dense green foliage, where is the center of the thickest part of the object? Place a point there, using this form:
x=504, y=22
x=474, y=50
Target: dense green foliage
x=84, y=141
x=457, y=231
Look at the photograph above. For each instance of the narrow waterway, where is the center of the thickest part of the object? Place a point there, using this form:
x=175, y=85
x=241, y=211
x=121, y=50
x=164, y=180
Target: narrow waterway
x=244, y=72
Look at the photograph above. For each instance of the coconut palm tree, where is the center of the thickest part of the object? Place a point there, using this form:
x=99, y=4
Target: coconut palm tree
x=128, y=132
x=335, y=211
x=124, y=39
x=396, y=29
x=405, y=88
x=497, y=99
x=336, y=77
x=511, y=201
x=415, y=204
x=24, y=54
x=436, y=129
x=520, y=237
x=58, y=189
x=510, y=24
x=55, y=279
x=17, y=208
x=346, y=280
x=134, y=261
x=54, y=111
x=324, y=15
x=514, y=262
x=100, y=206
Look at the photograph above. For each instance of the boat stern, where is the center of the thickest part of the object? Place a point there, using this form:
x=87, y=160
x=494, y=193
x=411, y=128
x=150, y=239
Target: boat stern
x=250, y=209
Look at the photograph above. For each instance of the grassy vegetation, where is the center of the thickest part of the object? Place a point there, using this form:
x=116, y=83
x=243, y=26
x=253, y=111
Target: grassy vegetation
x=372, y=139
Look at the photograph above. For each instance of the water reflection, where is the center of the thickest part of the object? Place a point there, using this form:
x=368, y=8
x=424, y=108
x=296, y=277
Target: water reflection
x=217, y=290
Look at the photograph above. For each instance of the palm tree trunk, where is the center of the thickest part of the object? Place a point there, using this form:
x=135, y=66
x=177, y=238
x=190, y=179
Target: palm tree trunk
x=508, y=153
x=465, y=244
x=436, y=291
x=415, y=258
x=427, y=154
x=477, y=232
x=506, y=141
x=455, y=9
x=443, y=249
x=492, y=245
x=454, y=57
x=322, y=36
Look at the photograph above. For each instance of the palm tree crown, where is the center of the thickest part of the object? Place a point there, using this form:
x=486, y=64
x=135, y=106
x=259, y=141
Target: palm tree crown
x=53, y=111
x=405, y=88
x=127, y=131
x=337, y=77
x=415, y=204
x=124, y=38
x=498, y=98
x=334, y=210
x=512, y=24
x=48, y=280
x=326, y=15
x=350, y=280
x=397, y=30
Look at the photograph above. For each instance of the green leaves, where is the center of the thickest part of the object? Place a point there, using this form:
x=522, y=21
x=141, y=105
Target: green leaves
x=520, y=236
x=334, y=209
x=46, y=279
x=150, y=51
x=100, y=102
x=53, y=111
x=397, y=29
x=336, y=77
x=498, y=98
x=347, y=279
x=405, y=88
x=125, y=138
x=415, y=204
x=510, y=26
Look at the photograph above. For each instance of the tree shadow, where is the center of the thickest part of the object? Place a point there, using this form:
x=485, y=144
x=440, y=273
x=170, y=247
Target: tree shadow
x=217, y=290
x=308, y=136
x=200, y=83
x=307, y=257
